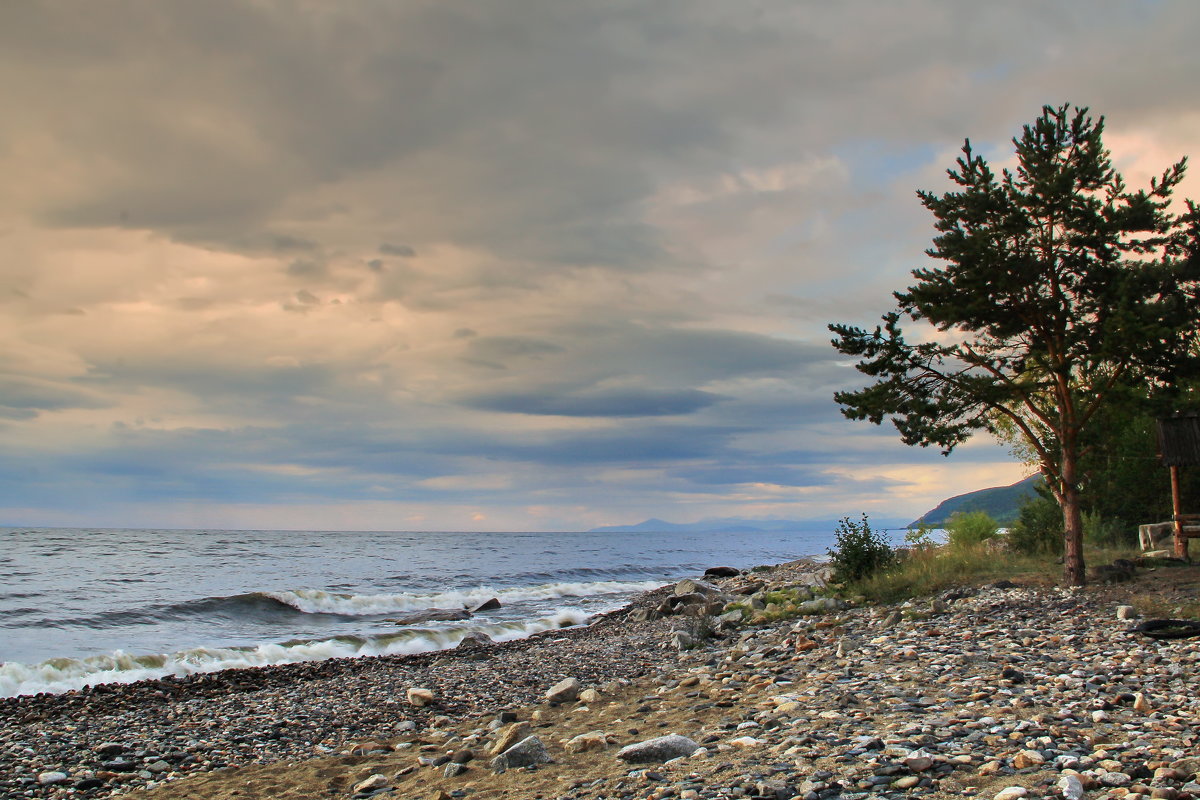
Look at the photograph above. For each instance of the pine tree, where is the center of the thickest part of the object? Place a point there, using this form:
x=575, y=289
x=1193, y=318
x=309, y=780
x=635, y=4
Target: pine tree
x=1059, y=286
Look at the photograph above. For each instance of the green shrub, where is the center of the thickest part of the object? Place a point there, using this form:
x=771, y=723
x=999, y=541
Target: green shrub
x=1101, y=532
x=858, y=552
x=968, y=528
x=1039, y=527
x=921, y=537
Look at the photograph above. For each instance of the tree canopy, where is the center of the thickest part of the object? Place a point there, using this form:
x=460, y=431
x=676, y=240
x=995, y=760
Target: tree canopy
x=1058, y=289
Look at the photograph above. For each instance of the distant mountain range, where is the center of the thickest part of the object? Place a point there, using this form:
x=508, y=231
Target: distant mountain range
x=739, y=525
x=1002, y=502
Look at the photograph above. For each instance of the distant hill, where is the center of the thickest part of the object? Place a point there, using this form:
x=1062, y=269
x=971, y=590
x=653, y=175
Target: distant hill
x=1002, y=502
x=738, y=525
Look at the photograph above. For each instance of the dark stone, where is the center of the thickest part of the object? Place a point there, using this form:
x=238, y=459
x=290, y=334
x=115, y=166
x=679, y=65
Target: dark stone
x=475, y=639
x=486, y=605
x=432, y=615
x=88, y=783
x=1014, y=675
x=722, y=572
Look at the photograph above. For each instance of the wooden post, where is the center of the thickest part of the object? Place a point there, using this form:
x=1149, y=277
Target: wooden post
x=1181, y=542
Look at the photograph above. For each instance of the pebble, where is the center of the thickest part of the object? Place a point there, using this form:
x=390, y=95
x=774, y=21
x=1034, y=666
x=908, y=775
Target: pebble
x=52, y=778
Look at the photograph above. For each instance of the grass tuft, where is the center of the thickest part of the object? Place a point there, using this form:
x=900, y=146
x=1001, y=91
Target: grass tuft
x=928, y=571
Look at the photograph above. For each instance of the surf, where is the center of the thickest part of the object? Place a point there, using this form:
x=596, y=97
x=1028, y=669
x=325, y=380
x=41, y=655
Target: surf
x=59, y=675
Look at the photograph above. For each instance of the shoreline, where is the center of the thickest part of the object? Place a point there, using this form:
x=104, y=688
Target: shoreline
x=610, y=647
x=983, y=686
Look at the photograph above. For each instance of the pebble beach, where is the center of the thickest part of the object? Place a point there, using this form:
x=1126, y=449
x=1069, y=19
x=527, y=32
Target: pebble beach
x=997, y=691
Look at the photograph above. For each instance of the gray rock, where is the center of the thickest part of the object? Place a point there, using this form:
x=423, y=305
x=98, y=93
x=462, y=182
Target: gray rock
x=643, y=614
x=1115, y=779
x=693, y=586
x=525, y=753
x=682, y=640
x=432, y=615
x=1071, y=787
x=475, y=639
x=564, y=691
x=820, y=605
x=486, y=605
x=52, y=778
x=108, y=749
x=454, y=769
x=663, y=748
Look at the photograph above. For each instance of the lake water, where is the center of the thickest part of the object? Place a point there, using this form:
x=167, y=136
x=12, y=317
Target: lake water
x=81, y=606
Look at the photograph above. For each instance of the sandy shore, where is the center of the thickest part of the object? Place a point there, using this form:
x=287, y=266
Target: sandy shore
x=1003, y=688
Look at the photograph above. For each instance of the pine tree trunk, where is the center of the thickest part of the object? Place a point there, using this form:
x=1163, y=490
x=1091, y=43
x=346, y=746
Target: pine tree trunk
x=1073, y=567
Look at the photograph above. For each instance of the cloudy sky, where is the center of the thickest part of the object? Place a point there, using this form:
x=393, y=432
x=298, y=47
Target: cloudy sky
x=528, y=265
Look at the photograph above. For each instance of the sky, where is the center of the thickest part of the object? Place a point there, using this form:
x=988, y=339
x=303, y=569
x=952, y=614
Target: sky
x=526, y=265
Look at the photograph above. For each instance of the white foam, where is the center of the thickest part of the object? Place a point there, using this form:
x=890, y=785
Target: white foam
x=315, y=601
x=64, y=674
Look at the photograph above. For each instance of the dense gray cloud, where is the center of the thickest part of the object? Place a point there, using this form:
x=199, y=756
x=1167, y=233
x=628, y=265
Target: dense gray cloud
x=532, y=264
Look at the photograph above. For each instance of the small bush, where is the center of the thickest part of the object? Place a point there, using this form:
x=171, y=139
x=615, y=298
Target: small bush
x=858, y=552
x=969, y=528
x=1039, y=528
x=1101, y=532
x=921, y=537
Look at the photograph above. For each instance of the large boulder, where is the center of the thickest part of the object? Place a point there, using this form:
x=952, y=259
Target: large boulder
x=525, y=753
x=509, y=736
x=722, y=572
x=663, y=748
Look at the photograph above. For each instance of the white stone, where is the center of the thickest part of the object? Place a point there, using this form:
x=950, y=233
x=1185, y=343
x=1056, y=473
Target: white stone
x=419, y=696
x=1011, y=793
x=1071, y=787
x=52, y=778
x=659, y=749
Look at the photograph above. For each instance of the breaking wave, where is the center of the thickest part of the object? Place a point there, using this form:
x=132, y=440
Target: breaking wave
x=281, y=605
x=315, y=601
x=64, y=674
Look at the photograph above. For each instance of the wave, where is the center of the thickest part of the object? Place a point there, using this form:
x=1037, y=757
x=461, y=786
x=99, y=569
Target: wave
x=64, y=674
x=282, y=606
x=315, y=601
